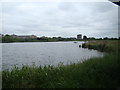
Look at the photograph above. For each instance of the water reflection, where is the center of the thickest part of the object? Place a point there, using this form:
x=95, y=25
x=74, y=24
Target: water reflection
x=44, y=53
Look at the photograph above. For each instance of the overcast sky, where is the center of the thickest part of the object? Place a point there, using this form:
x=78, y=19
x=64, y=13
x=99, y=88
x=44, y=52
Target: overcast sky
x=66, y=19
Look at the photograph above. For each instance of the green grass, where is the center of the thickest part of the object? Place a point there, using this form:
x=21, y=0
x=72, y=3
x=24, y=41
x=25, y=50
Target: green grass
x=108, y=46
x=93, y=73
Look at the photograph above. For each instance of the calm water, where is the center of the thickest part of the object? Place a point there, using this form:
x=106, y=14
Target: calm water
x=44, y=53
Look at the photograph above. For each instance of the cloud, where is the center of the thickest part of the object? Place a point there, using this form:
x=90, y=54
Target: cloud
x=67, y=19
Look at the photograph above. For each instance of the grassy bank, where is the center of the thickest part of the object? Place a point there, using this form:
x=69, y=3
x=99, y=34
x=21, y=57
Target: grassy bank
x=92, y=73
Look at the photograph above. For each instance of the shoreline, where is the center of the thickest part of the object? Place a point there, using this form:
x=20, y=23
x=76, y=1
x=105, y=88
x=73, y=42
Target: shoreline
x=94, y=72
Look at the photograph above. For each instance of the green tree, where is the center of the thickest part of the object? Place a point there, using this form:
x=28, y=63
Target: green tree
x=7, y=38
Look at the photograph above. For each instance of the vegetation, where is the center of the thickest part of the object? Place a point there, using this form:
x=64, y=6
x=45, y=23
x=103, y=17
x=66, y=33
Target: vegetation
x=9, y=39
x=93, y=73
x=103, y=46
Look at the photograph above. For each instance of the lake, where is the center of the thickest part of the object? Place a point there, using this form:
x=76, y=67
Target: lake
x=44, y=53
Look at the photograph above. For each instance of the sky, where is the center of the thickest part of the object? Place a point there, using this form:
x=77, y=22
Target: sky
x=65, y=19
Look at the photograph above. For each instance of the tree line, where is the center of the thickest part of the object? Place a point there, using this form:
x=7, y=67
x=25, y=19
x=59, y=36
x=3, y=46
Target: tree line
x=8, y=38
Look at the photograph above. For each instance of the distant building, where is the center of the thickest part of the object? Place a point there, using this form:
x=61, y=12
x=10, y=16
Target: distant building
x=73, y=37
x=79, y=36
x=14, y=35
x=24, y=36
